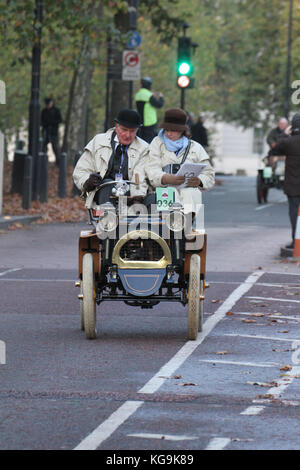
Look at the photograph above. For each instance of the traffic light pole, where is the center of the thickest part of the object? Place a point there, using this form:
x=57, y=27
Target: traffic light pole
x=182, y=98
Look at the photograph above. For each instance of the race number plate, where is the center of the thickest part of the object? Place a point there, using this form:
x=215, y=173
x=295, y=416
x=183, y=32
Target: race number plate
x=165, y=198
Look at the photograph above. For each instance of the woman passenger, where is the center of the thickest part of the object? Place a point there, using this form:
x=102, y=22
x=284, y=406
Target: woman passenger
x=167, y=152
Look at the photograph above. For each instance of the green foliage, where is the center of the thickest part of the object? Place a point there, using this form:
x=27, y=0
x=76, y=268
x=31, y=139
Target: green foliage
x=239, y=64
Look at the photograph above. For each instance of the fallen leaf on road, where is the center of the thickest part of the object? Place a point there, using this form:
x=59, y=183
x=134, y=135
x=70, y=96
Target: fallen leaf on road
x=264, y=384
x=221, y=352
x=291, y=376
x=177, y=377
x=257, y=314
x=187, y=384
x=267, y=395
x=215, y=301
x=229, y=313
x=286, y=368
x=249, y=321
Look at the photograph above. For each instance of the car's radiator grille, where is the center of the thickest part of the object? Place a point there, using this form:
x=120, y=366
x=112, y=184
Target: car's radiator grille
x=141, y=250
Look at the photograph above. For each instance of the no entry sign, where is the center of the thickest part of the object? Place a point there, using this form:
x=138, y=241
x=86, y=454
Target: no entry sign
x=131, y=67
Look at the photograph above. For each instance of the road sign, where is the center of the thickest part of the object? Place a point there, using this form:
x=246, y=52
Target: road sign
x=131, y=65
x=134, y=40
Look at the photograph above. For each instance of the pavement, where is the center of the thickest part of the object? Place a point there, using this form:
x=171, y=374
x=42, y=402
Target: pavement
x=7, y=220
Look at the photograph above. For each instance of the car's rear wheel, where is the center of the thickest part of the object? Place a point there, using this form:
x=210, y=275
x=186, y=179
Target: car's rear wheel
x=194, y=297
x=88, y=300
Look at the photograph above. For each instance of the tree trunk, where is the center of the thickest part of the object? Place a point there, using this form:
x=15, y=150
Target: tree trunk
x=77, y=112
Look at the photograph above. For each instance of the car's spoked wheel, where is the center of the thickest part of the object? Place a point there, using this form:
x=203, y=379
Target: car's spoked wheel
x=194, y=297
x=88, y=300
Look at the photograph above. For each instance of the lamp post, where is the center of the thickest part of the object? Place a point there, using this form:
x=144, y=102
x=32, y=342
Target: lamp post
x=34, y=107
x=288, y=63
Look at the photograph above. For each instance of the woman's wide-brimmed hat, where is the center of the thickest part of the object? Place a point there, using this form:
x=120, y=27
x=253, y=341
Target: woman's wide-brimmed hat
x=175, y=120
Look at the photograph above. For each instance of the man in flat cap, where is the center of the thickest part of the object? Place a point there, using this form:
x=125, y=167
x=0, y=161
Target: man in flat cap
x=113, y=155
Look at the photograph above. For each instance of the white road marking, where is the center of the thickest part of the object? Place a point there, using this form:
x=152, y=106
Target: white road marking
x=9, y=271
x=274, y=298
x=268, y=315
x=102, y=432
x=188, y=348
x=253, y=410
x=237, y=363
x=270, y=338
x=285, y=273
x=165, y=437
x=285, y=286
x=217, y=443
x=116, y=419
x=260, y=208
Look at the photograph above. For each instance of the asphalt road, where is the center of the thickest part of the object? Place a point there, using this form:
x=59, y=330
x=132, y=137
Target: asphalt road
x=141, y=384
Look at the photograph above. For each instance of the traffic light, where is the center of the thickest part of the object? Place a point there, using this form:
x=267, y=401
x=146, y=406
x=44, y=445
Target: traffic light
x=184, y=63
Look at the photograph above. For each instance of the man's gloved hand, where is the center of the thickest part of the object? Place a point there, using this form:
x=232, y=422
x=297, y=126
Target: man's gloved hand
x=92, y=182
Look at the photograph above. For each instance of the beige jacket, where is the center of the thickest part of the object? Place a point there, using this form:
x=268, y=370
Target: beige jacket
x=96, y=157
x=190, y=198
x=159, y=157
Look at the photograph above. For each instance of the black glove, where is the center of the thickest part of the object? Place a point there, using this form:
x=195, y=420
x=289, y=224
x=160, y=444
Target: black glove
x=92, y=182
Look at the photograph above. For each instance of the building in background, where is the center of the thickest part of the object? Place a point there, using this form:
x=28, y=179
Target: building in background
x=234, y=149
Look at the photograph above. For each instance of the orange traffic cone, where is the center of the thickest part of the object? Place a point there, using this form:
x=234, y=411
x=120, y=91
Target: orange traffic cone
x=296, y=253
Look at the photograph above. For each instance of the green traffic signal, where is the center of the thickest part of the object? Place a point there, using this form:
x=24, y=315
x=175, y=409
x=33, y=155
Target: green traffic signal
x=184, y=68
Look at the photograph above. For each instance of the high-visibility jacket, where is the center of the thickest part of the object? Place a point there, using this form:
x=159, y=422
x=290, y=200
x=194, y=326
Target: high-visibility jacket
x=149, y=113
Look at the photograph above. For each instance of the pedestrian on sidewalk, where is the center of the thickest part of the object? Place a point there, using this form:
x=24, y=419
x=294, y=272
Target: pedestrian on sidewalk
x=50, y=120
x=290, y=147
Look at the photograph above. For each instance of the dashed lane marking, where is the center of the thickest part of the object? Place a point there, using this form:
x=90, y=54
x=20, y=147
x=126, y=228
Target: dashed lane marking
x=9, y=271
x=274, y=298
x=218, y=443
x=269, y=338
x=165, y=437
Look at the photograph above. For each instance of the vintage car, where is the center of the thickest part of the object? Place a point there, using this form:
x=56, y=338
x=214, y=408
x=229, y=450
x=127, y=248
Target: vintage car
x=270, y=175
x=141, y=258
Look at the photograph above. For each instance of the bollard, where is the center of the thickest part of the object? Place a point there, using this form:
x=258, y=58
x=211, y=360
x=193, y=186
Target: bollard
x=18, y=172
x=43, y=157
x=36, y=183
x=27, y=182
x=62, y=178
x=75, y=191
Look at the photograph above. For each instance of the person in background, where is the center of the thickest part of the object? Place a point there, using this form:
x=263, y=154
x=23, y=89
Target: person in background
x=275, y=134
x=290, y=147
x=199, y=132
x=147, y=103
x=50, y=120
x=190, y=120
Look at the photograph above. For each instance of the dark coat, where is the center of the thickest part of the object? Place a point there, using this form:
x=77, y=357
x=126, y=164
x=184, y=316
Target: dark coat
x=199, y=134
x=50, y=119
x=290, y=147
